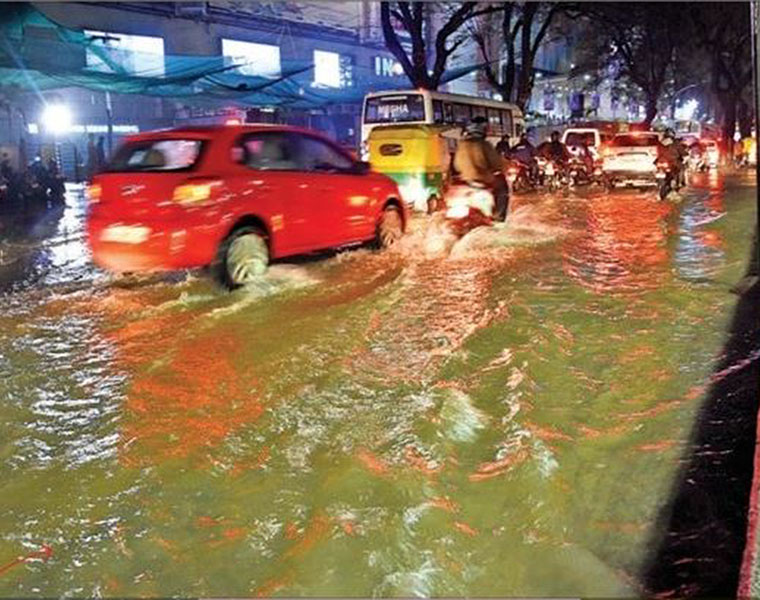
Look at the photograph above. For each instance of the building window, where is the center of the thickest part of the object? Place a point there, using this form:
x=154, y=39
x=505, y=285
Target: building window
x=326, y=69
x=346, y=71
x=256, y=60
x=135, y=54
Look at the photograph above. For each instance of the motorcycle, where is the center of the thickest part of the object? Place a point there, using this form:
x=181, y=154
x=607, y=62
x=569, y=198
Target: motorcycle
x=519, y=177
x=667, y=179
x=548, y=174
x=578, y=172
x=696, y=163
x=468, y=205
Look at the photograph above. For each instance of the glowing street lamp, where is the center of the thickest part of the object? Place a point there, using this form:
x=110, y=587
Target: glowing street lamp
x=57, y=118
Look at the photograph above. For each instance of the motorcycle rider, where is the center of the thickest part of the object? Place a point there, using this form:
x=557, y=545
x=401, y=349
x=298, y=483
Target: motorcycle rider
x=476, y=161
x=673, y=152
x=503, y=147
x=555, y=150
x=525, y=153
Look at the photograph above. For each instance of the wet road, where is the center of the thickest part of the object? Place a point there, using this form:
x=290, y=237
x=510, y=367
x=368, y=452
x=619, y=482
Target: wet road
x=501, y=416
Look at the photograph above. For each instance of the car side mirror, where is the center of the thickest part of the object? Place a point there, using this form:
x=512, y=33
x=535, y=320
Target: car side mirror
x=362, y=167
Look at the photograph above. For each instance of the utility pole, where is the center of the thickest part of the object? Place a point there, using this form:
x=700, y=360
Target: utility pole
x=109, y=121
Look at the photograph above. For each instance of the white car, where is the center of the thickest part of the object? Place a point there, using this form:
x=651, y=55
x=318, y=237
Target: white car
x=630, y=158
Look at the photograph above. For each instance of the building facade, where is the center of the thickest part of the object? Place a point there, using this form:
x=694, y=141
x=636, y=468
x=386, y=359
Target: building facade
x=342, y=40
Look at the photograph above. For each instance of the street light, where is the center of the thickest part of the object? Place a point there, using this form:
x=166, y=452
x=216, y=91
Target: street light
x=57, y=118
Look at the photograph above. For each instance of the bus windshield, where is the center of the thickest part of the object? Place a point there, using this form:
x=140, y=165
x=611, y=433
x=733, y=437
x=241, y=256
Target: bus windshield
x=402, y=108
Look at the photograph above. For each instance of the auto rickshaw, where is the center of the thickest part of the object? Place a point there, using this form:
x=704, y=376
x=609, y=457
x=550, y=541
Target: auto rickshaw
x=416, y=157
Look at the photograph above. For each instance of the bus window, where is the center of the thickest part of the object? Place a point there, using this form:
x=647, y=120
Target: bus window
x=437, y=111
x=395, y=109
x=478, y=111
x=494, y=120
x=506, y=121
x=462, y=113
x=448, y=112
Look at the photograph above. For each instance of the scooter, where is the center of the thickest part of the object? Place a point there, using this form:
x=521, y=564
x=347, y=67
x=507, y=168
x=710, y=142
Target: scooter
x=468, y=205
x=667, y=180
x=518, y=176
x=578, y=172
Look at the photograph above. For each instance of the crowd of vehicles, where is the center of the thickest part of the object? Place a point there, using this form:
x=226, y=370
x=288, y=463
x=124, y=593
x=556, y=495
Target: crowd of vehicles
x=411, y=136
x=233, y=198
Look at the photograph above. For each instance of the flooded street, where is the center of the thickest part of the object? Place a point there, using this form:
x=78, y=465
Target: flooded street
x=502, y=415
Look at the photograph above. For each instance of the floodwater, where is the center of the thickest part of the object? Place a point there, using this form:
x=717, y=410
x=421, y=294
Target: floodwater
x=502, y=415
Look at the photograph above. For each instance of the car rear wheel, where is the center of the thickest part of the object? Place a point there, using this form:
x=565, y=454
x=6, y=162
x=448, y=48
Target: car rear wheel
x=244, y=257
x=390, y=228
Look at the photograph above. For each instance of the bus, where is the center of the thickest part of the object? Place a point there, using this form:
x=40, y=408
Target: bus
x=425, y=107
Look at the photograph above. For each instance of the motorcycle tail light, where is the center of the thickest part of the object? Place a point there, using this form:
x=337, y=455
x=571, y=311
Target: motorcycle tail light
x=195, y=191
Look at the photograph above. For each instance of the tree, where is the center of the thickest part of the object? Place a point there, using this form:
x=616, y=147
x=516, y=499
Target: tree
x=425, y=65
x=527, y=23
x=639, y=40
x=723, y=31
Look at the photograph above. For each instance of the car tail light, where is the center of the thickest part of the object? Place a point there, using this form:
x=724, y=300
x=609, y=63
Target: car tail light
x=195, y=191
x=662, y=165
x=94, y=193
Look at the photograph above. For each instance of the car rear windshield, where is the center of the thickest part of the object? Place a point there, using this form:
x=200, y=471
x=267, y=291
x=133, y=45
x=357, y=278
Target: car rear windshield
x=402, y=108
x=577, y=138
x=157, y=155
x=634, y=140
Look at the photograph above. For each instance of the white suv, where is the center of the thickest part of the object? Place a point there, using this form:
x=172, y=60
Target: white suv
x=590, y=137
x=630, y=159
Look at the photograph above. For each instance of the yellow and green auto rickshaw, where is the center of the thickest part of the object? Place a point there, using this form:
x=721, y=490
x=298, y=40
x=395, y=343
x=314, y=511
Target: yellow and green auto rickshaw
x=416, y=157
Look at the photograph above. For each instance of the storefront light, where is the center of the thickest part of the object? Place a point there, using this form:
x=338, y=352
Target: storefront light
x=57, y=118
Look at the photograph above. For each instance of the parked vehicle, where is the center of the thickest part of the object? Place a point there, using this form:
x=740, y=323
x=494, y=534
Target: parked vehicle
x=234, y=197
x=629, y=159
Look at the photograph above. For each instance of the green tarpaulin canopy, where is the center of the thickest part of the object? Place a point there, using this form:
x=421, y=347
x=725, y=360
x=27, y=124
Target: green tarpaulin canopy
x=38, y=54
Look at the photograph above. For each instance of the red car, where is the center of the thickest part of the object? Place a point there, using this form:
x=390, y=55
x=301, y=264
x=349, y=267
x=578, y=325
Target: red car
x=234, y=197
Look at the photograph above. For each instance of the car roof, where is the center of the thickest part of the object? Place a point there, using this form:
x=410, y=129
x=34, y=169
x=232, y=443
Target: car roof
x=214, y=131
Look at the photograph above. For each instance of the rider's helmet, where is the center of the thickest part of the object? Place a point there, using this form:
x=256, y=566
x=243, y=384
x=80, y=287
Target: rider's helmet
x=555, y=136
x=476, y=129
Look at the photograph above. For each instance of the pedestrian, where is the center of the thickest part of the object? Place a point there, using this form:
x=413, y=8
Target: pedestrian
x=100, y=153
x=92, y=158
x=6, y=170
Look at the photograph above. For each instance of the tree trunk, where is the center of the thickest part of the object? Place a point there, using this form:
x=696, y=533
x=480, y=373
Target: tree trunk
x=651, y=110
x=728, y=122
x=745, y=119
